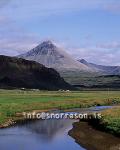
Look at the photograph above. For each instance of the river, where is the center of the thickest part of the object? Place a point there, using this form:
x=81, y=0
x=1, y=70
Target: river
x=45, y=135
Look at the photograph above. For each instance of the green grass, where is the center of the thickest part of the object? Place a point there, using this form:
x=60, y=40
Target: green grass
x=16, y=101
x=111, y=120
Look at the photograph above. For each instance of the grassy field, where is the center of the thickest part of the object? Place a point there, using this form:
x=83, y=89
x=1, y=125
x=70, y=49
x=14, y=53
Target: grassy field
x=111, y=120
x=17, y=101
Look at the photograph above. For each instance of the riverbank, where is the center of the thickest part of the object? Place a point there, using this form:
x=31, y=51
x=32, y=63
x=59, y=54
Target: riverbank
x=110, y=121
x=20, y=118
x=92, y=139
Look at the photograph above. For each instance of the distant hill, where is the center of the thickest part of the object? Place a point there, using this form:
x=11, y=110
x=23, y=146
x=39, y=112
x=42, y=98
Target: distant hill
x=20, y=73
x=105, y=81
x=51, y=56
x=112, y=70
x=104, y=77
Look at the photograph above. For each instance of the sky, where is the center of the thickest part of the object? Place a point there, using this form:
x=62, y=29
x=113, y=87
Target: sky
x=87, y=29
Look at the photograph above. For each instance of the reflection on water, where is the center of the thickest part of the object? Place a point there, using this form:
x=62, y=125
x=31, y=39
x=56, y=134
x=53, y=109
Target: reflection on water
x=49, y=129
x=39, y=135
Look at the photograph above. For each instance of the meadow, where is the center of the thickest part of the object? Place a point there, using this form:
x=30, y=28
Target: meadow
x=111, y=120
x=18, y=101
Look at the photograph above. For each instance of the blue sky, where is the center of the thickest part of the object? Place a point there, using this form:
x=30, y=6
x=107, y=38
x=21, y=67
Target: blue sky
x=88, y=29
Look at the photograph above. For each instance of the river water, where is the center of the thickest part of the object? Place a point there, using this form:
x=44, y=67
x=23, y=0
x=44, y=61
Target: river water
x=40, y=135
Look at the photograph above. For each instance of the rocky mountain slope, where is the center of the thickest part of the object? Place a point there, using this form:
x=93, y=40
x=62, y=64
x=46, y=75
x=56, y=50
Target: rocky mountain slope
x=51, y=56
x=20, y=73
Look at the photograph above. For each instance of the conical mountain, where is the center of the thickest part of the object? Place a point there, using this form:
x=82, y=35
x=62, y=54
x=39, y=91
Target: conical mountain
x=52, y=56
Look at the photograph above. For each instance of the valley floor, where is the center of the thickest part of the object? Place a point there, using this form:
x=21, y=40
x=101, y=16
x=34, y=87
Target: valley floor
x=14, y=102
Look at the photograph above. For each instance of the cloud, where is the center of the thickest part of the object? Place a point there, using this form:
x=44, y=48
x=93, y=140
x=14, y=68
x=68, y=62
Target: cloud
x=2, y=19
x=44, y=8
x=3, y=3
x=113, y=46
x=114, y=7
x=14, y=39
x=15, y=47
x=104, y=54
